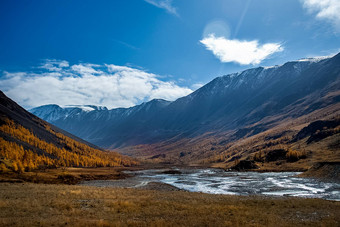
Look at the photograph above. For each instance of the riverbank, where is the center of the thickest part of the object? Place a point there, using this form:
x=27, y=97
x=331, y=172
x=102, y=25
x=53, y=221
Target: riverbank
x=325, y=171
x=72, y=175
x=67, y=175
x=27, y=204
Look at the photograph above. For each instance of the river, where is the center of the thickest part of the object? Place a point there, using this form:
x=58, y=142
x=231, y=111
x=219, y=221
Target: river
x=217, y=181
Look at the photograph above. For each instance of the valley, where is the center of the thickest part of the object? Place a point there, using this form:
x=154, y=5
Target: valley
x=155, y=163
x=169, y=113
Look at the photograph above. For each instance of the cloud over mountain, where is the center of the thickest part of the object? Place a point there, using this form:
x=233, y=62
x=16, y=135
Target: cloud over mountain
x=239, y=51
x=107, y=85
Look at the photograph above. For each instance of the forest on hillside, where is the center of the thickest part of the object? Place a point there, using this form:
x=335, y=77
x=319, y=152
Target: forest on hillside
x=21, y=150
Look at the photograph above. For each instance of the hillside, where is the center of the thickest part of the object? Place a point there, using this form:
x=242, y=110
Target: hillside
x=280, y=148
x=28, y=143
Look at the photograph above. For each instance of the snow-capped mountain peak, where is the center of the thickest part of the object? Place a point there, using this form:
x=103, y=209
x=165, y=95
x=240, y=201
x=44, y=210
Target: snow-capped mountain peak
x=85, y=108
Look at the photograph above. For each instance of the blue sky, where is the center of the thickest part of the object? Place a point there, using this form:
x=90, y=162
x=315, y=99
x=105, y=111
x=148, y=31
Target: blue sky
x=121, y=53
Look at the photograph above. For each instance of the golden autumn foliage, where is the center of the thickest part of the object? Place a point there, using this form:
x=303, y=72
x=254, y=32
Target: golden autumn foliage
x=41, y=154
x=294, y=155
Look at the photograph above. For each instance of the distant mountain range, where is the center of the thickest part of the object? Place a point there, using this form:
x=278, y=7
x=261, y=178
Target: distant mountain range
x=231, y=107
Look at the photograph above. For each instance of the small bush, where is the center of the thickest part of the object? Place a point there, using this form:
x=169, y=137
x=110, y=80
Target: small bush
x=258, y=157
x=3, y=168
x=275, y=155
x=294, y=155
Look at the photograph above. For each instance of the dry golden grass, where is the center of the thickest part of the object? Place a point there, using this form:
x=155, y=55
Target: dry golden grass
x=59, y=205
x=67, y=175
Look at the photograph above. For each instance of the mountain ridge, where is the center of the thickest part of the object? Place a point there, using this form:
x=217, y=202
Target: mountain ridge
x=256, y=99
x=232, y=75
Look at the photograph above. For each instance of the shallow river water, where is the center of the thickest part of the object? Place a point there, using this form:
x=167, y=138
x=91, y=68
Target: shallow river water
x=217, y=181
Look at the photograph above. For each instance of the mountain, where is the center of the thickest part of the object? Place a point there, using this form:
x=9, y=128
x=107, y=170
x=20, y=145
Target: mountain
x=27, y=143
x=231, y=107
x=96, y=125
x=54, y=112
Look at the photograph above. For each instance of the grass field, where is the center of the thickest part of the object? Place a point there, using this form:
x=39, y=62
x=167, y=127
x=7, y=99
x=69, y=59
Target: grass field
x=67, y=175
x=28, y=204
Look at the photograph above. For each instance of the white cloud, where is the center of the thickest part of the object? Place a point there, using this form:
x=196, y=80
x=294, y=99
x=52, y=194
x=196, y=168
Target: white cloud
x=118, y=68
x=164, y=4
x=54, y=65
x=84, y=69
x=242, y=52
x=82, y=84
x=325, y=9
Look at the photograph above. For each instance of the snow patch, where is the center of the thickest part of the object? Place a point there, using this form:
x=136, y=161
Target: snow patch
x=314, y=59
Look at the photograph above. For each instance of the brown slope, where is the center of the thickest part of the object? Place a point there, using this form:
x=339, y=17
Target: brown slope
x=27, y=142
x=299, y=135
